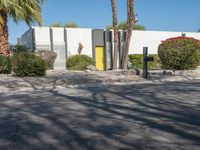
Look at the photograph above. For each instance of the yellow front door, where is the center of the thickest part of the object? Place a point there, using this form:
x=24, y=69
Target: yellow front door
x=99, y=58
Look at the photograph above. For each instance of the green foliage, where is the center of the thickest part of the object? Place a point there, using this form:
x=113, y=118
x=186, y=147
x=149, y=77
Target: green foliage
x=198, y=30
x=79, y=62
x=26, y=10
x=27, y=64
x=70, y=25
x=123, y=26
x=109, y=27
x=66, y=25
x=18, y=48
x=56, y=24
x=139, y=27
x=5, y=65
x=179, y=53
x=136, y=61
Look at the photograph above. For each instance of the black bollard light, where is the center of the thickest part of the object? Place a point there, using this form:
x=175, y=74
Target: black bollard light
x=146, y=59
x=145, y=62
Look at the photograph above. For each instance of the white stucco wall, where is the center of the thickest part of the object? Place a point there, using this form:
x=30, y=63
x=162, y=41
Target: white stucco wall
x=58, y=35
x=152, y=39
x=42, y=38
x=58, y=46
x=42, y=35
x=69, y=45
x=77, y=35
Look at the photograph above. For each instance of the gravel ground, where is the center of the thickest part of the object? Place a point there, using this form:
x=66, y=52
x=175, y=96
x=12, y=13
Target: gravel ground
x=90, y=111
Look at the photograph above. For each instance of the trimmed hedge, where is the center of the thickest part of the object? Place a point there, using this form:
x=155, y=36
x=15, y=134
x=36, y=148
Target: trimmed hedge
x=79, y=62
x=5, y=65
x=136, y=61
x=28, y=64
x=179, y=53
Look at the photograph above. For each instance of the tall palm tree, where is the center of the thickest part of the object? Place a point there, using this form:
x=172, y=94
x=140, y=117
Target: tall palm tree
x=130, y=24
x=25, y=10
x=116, y=36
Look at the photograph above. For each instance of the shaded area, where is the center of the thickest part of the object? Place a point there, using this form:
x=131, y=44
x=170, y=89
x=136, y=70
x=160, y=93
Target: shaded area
x=63, y=78
x=142, y=116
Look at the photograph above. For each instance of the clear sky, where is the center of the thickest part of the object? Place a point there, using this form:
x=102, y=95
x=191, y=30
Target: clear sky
x=166, y=15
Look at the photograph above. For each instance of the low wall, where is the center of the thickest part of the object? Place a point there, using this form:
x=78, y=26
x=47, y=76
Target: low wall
x=152, y=40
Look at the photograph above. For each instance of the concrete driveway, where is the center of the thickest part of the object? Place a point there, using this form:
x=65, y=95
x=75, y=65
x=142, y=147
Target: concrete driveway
x=154, y=116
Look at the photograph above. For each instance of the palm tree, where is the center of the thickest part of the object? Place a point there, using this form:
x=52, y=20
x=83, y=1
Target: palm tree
x=116, y=36
x=26, y=10
x=130, y=24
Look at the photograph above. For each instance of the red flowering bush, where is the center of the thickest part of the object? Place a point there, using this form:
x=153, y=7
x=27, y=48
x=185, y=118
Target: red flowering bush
x=179, y=53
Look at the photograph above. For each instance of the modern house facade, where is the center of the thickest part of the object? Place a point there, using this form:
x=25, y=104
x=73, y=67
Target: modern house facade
x=97, y=43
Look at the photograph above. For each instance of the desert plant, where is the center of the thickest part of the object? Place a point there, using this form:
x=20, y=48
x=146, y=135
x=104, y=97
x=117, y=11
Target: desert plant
x=28, y=64
x=5, y=65
x=80, y=48
x=48, y=56
x=179, y=53
x=79, y=62
x=136, y=61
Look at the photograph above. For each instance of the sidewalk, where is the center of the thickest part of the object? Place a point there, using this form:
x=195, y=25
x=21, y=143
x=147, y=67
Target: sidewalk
x=76, y=78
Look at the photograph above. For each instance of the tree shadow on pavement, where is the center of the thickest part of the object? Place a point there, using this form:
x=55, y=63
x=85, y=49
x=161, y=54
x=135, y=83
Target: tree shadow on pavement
x=141, y=116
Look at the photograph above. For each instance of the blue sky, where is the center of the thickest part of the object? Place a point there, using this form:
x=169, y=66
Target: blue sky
x=165, y=15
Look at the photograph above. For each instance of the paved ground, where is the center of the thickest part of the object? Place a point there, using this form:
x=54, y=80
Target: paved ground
x=46, y=114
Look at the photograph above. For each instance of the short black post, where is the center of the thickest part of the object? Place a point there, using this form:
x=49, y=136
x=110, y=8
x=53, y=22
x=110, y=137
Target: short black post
x=145, y=62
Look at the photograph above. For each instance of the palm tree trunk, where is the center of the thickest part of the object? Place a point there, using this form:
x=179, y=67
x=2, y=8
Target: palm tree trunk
x=116, y=36
x=4, y=48
x=130, y=24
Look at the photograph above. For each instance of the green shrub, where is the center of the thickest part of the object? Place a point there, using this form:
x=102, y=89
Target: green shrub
x=179, y=53
x=136, y=61
x=27, y=64
x=79, y=62
x=5, y=65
